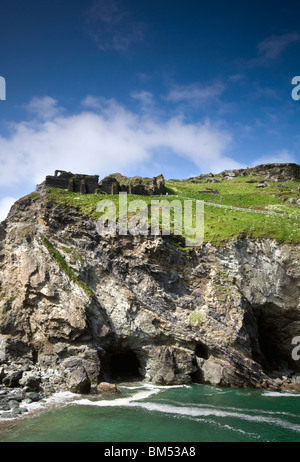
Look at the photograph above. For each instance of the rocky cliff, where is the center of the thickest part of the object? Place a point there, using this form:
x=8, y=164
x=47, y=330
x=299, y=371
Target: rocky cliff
x=93, y=308
x=276, y=172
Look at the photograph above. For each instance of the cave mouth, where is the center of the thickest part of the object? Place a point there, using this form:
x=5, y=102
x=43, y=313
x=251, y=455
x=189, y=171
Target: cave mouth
x=274, y=340
x=202, y=351
x=272, y=354
x=125, y=365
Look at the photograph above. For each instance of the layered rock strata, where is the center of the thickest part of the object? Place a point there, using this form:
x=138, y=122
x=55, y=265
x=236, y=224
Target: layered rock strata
x=94, y=308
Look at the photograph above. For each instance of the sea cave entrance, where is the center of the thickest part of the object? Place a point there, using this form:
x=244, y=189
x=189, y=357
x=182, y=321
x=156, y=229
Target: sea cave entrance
x=202, y=351
x=124, y=365
x=275, y=331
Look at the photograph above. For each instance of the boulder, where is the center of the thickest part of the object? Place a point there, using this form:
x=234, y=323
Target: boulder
x=91, y=363
x=13, y=404
x=18, y=396
x=81, y=371
x=33, y=396
x=76, y=377
x=210, y=372
x=229, y=174
x=30, y=382
x=78, y=381
x=170, y=366
x=291, y=387
x=12, y=379
x=105, y=387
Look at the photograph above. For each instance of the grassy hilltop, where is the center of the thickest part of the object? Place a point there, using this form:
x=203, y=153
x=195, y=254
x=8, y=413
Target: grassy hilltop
x=221, y=224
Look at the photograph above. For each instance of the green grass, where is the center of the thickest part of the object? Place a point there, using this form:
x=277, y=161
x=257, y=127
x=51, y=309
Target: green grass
x=196, y=318
x=239, y=193
x=33, y=195
x=85, y=204
x=221, y=225
x=62, y=264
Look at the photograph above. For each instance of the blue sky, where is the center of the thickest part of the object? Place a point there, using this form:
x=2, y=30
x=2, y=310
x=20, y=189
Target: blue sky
x=145, y=87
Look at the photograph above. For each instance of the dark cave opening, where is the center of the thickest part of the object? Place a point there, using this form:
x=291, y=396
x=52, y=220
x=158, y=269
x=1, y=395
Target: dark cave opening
x=202, y=351
x=272, y=357
x=274, y=340
x=124, y=366
x=269, y=358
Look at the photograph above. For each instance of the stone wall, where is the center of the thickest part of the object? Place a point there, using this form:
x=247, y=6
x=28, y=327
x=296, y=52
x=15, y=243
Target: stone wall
x=112, y=184
x=85, y=184
x=115, y=183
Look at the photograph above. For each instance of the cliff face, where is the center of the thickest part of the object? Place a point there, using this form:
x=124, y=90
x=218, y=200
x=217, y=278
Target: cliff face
x=136, y=307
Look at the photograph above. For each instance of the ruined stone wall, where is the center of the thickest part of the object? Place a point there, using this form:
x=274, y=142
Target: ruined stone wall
x=115, y=183
x=112, y=184
x=85, y=184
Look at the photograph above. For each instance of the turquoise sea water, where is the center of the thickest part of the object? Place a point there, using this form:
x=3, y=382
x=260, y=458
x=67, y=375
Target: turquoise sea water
x=147, y=413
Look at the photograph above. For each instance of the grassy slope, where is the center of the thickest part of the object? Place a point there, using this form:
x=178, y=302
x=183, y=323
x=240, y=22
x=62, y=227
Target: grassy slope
x=65, y=268
x=221, y=225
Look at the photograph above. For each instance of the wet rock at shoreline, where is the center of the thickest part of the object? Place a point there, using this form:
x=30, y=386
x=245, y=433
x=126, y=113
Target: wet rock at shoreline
x=76, y=377
x=105, y=387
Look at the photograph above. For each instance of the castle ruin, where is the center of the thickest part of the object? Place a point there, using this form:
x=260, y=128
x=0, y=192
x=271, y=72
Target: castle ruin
x=112, y=184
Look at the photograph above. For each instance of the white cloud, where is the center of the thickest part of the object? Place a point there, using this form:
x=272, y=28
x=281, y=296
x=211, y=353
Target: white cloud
x=43, y=108
x=5, y=205
x=107, y=138
x=144, y=97
x=92, y=102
